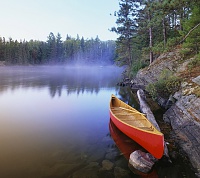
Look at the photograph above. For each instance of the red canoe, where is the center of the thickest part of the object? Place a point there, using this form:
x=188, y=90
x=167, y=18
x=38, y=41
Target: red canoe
x=136, y=126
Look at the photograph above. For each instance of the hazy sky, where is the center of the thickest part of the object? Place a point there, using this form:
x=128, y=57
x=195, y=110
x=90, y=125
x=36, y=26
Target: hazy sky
x=35, y=19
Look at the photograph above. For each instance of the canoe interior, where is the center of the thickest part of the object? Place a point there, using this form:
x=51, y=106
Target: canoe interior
x=135, y=120
x=131, y=116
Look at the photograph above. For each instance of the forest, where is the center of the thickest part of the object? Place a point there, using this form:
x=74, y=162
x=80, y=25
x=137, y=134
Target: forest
x=55, y=51
x=147, y=28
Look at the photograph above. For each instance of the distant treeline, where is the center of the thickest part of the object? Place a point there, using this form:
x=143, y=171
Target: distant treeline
x=55, y=51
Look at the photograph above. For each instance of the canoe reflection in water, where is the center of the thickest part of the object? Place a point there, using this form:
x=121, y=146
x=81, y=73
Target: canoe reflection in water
x=128, y=146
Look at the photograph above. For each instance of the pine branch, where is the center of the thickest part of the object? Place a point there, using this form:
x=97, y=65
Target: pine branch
x=189, y=33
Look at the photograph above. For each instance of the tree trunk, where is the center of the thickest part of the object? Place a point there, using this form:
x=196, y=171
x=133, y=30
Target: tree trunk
x=151, y=56
x=150, y=39
x=129, y=51
x=164, y=33
x=189, y=33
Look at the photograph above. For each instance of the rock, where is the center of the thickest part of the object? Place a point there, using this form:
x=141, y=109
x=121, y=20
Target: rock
x=107, y=139
x=170, y=102
x=198, y=174
x=151, y=74
x=177, y=95
x=161, y=101
x=121, y=173
x=121, y=162
x=184, y=84
x=60, y=169
x=184, y=117
x=98, y=154
x=124, y=83
x=141, y=161
x=106, y=165
x=58, y=155
x=183, y=67
x=111, y=155
x=89, y=171
x=106, y=174
x=197, y=80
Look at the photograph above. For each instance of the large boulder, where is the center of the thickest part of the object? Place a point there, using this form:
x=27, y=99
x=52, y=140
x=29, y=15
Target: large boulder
x=184, y=117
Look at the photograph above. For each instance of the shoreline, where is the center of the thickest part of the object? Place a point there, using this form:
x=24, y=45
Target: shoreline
x=183, y=113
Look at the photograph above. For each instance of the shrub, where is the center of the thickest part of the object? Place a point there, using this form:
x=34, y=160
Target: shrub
x=166, y=85
x=172, y=42
x=194, y=63
x=185, y=52
x=151, y=88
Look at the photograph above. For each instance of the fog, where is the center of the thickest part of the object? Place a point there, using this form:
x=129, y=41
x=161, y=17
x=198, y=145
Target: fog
x=73, y=78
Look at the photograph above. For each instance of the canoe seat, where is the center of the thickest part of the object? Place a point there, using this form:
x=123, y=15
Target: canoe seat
x=115, y=109
x=132, y=119
x=146, y=128
x=121, y=114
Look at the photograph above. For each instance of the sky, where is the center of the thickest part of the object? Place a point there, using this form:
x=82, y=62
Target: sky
x=35, y=19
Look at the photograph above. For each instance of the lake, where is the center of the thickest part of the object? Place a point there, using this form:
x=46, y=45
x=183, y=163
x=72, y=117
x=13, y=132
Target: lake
x=55, y=123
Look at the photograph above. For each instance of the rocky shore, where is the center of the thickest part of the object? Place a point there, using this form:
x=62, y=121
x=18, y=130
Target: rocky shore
x=183, y=113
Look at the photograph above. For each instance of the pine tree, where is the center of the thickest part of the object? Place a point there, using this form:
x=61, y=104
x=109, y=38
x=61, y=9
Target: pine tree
x=59, y=48
x=2, y=48
x=126, y=30
x=51, y=42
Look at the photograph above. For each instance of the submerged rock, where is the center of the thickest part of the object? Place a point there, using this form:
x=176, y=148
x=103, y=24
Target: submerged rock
x=106, y=165
x=60, y=170
x=88, y=171
x=121, y=173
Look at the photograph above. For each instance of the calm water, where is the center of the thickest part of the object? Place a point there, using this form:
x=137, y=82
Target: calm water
x=55, y=123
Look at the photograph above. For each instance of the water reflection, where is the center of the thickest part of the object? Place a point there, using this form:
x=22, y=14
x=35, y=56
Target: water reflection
x=125, y=94
x=61, y=78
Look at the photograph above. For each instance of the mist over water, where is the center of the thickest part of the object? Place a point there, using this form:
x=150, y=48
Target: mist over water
x=59, y=78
